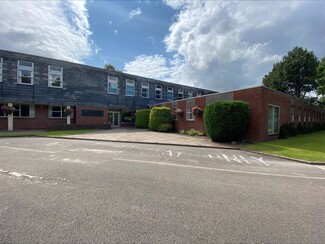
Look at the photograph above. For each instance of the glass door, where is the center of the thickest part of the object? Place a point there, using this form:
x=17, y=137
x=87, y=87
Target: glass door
x=114, y=118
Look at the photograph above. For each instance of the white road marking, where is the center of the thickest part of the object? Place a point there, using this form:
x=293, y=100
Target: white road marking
x=217, y=169
x=244, y=159
x=226, y=157
x=77, y=160
x=236, y=159
x=170, y=153
x=100, y=151
x=25, y=149
x=219, y=156
x=210, y=156
x=179, y=154
x=260, y=160
x=321, y=167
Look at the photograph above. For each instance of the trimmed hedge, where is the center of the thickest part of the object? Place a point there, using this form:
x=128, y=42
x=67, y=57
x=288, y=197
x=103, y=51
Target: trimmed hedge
x=288, y=129
x=160, y=119
x=226, y=120
x=142, y=118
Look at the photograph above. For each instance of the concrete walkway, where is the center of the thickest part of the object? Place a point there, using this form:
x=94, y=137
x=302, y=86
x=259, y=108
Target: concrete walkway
x=147, y=136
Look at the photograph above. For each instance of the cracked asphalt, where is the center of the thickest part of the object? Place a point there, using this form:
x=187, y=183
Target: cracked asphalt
x=71, y=191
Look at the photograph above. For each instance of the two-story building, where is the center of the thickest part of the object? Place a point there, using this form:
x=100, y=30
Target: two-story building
x=41, y=88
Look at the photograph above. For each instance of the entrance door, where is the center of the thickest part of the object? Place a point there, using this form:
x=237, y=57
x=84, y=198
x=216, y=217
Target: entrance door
x=114, y=118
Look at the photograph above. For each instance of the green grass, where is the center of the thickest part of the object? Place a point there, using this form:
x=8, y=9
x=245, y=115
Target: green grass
x=44, y=133
x=310, y=147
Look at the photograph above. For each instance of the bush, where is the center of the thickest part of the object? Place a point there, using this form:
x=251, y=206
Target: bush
x=165, y=128
x=226, y=120
x=160, y=116
x=284, y=131
x=142, y=118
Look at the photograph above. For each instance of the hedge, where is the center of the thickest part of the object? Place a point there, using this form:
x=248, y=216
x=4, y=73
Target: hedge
x=226, y=120
x=160, y=119
x=142, y=118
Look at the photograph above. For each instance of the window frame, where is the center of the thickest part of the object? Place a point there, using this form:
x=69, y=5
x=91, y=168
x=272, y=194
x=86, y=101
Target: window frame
x=54, y=72
x=143, y=86
x=189, y=104
x=18, y=109
x=62, y=114
x=1, y=69
x=190, y=94
x=126, y=87
x=180, y=91
x=115, y=82
x=157, y=89
x=273, y=131
x=170, y=91
x=22, y=67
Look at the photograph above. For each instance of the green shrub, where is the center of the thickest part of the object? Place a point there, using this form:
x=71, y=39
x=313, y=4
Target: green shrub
x=194, y=132
x=165, y=128
x=226, y=120
x=160, y=116
x=142, y=118
x=284, y=131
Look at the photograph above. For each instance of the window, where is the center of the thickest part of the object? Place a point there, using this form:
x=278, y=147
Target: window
x=189, y=94
x=58, y=112
x=189, y=106
x=129, y=87
x=112, y=85
x=21, y=110
x=158, y=92
x=170, y=93
x=273, y=119
x=199, y=94
x=299, y=115
x=145, y=89
x=180, y=94
x=25, y=72
x=305, y=114
x=1, y=62
x=55, y=76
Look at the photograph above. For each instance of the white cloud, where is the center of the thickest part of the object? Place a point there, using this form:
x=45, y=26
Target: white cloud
x=57, y=29
x=134, y=12
x=225, y=45
x=115, y=32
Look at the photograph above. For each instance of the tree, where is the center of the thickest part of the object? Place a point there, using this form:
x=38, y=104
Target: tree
x=110, y=67
x=321, y=78
x=295, y=74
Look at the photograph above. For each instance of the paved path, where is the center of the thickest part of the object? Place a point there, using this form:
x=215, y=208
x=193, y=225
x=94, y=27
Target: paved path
x=147, y=136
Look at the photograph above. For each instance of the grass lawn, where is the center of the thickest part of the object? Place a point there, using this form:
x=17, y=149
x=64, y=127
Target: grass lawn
x=44, y=133
x=310, y=147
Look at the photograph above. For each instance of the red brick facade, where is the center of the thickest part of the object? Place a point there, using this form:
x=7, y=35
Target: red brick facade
x=259, y=99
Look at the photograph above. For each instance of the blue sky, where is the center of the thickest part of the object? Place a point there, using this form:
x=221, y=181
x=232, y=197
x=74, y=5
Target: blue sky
x=220, y=45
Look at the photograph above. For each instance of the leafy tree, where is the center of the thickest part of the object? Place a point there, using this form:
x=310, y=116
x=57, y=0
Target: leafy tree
x=321, y=78
x=110, y=67
x=295, y=74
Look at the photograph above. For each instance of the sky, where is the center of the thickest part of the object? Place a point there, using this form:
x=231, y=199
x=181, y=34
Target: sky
x=217, y=45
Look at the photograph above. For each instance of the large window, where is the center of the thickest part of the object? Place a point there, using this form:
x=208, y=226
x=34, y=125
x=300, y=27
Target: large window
x=145, y=89
x=158, y=92
x=198, y=94
x=170, y=93
x=189, y=94
x=129, y=87
x=1, y=62
x=273, y=119
x=58, y=112
x=180, y=94
x=189, y=106
x=55, y=76
x=112, y=85
x=292, y=114
x=299, y=115
x=21, y=110
x=174, y=106
x=25, y=72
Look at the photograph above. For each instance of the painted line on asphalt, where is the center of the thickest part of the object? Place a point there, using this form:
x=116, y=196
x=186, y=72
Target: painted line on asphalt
x=321, y=167
x=25, y=149
x=218, y=169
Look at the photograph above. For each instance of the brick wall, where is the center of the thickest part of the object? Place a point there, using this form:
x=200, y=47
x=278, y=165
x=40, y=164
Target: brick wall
x=91, y=120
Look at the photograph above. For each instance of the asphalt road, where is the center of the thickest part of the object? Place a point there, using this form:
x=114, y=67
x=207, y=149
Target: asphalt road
x=70, y=191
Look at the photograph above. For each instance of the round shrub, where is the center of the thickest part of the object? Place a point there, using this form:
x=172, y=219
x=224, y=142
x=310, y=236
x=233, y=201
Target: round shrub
x=142, y=118
x=165, y=128
x=160, y=116
x=226, y=120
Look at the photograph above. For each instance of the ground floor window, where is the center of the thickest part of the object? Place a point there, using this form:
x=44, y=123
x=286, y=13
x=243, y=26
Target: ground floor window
x=58, y=112
x=273, y=120
x=21, y=111
x=189, y=106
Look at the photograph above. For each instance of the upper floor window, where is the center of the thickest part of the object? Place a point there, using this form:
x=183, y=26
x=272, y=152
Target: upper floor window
x=180, y=94
x=112, y=85
x=25, y=72
x=158, y=92
x=273, y=120
x=170, y=93
x=1, y=69
x=189, y=94
x=199, y=94
x=145, y=89
x=129, y=87
x=55, y=76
